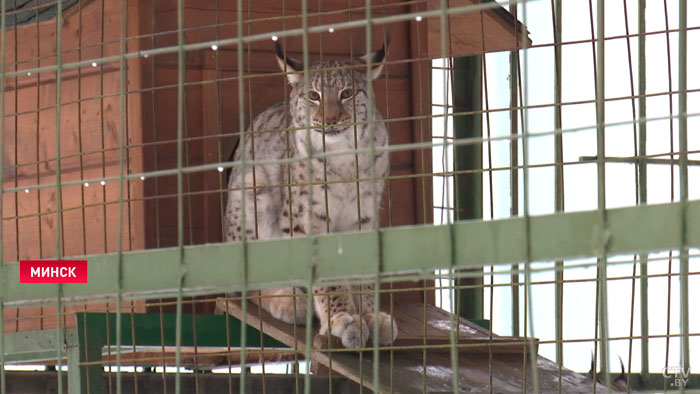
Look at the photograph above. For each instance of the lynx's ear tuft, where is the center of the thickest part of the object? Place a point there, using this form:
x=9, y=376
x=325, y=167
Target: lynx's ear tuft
x=377, y=58
x=289, y=65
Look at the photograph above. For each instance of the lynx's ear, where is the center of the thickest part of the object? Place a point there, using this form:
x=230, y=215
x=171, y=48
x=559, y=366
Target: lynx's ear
x=377, y=59
x=289, y=65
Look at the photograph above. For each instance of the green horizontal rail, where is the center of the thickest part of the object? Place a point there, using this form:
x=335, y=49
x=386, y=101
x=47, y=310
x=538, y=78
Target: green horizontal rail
x=410, y=249
x=211, y=330
x=30, y=346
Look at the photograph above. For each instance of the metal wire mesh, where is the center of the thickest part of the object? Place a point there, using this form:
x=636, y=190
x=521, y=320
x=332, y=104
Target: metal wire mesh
x=537, y=222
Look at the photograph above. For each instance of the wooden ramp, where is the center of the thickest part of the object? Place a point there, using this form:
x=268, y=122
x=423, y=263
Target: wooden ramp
x=419, y=359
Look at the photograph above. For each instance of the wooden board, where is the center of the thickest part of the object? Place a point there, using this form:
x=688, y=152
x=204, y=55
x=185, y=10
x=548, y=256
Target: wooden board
x=90, y=134
x=414, y=335
x=202, y=357
x=410, y=370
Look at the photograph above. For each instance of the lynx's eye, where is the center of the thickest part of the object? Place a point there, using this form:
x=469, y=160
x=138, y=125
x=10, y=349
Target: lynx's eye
x=314, y=96
x=346, y=94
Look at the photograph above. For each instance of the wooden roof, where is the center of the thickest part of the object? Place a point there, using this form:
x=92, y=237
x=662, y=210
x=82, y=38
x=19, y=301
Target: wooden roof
x=473, y=32
x=20, y=12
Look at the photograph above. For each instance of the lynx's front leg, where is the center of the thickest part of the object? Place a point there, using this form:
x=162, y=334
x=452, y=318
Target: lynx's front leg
x=364, y=298
x=336, y=310
x=289, y=303
x=302, y=212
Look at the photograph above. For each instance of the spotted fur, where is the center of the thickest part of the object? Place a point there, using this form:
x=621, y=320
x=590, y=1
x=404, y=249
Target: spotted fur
x=315, y=193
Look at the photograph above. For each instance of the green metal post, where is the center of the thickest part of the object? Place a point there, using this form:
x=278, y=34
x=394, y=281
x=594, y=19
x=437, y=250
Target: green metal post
x=59, y=203
x=514, y=63
x=558, y=184
x=74, y=380
x=602, y=208
x=644, y=257
x=683, y=146
x=3, y=21
x=467, y=97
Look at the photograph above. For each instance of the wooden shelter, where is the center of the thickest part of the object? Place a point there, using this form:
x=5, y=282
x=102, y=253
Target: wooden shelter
x=92, y=121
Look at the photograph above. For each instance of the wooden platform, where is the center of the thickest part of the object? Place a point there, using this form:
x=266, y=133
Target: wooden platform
x=202, y=357
x=205, y=358
x=419, y=359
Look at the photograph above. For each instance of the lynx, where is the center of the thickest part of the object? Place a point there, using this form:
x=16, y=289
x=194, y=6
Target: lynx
x=280, y=204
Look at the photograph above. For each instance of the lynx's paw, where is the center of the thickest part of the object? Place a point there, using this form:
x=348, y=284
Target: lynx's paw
x=352, y=330
x=387, y=327
x=282, y=306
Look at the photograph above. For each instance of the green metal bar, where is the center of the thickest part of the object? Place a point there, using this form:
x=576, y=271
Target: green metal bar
x=454, y=362
x=59, y=202
x=311, y=264
x=558, y=184
x=122, y=149
x=31, y=346
x=633, y=292
x=3, y=382
x=467, y=96
x=243, y=252
x=74, y=376
x=528, y=223
x=638, y=159
x=683, y=145
x=180, y=197
x=375, y=207
x=514, y=61
x=417, y=249
x=643, y=258
x=602, y=213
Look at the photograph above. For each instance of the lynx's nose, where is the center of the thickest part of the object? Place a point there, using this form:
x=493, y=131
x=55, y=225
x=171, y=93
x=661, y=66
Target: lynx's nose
x=329, y=113
x=332, y=119
x=328, y=118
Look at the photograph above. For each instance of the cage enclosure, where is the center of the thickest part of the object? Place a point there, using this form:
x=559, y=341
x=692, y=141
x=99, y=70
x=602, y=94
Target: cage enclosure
x=129, y=139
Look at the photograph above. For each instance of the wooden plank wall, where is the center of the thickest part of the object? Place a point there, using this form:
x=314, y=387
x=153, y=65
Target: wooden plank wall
x=90, y=132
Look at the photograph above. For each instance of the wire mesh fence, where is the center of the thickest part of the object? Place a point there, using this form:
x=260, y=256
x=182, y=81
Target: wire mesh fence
x=351, y=196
